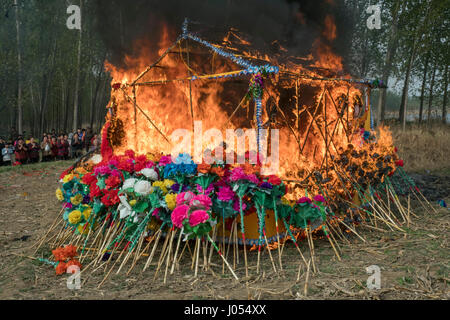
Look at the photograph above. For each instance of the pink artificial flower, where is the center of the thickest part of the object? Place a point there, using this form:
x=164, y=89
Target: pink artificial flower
x=225, y=194
x=155, y=213
x=113, y=162
x=197, y=217
x=102, y=170
x=238, y=174
x=179, y=214
x=150, y=164
x=201, y=200
x=253, y=178
x=165, y=160
x=319, y=198
x=184, y=198
x=304, y=200
x=208, y=190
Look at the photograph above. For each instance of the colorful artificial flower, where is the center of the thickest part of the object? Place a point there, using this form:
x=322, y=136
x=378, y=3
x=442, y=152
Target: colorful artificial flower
x=171, y=201
x=399, y=163
x=149, y=174
x=201, y=200
x=129, y=183
x=110, y=198
x=59, y=194
x=75, y=217
x=68, y=178
x=133, y=203
x=165, y=160
x=76, y=200
x=73, y=262
x=179, y=214
x=203, y=168
x=304, y=200
x=219, y=171
x=87, y=213
x=112, y=182
x=225, y=194
x=197, y=217
x=61, y=268
x=184, y=198
x=275, y=180
x=168, y=183
x=143, y=187
x=160, y=185
x=319, y=198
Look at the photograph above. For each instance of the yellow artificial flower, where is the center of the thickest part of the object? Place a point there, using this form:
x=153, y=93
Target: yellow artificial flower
x=87, y=213
x=81, y=170
x=169, y=183
x=82, y=230
x=77, y=199
x=133, y=203
x=153, y=157
x=59, y=195
x=68, y=178
x=75, y=217
x=171, y=201
x=161, y=185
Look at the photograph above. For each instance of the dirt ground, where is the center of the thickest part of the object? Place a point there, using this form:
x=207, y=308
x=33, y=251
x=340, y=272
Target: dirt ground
x=414, y=265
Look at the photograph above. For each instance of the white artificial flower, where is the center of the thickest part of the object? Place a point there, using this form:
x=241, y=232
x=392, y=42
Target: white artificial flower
x=96, y=159
x=143, y=187
x=125, y=209
x=149, y=173
x=129, y=183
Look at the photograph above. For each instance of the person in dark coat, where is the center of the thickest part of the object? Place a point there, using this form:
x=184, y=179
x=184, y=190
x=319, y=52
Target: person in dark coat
x=33, y=151
x=54, y=148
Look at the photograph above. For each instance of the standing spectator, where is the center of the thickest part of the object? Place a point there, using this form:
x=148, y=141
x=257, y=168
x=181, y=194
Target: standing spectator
x=54, y=148
x=76, y=146
x=21, y=152
x=33, y=151
x=70, y=140
x=46, y=149
x=88, y=139
x=7, y=152
x=66, y=147
x=60, y=144
x=94, y=143
x=2, y=145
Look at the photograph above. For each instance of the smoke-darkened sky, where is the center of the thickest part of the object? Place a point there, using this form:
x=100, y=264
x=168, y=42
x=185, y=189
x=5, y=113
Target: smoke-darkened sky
x=295, y=24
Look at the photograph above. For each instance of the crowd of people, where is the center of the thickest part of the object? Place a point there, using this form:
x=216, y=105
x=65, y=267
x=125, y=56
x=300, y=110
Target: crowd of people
x=51, y=147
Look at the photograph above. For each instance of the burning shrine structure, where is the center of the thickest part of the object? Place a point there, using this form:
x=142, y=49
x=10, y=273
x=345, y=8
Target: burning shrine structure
x=136, y=200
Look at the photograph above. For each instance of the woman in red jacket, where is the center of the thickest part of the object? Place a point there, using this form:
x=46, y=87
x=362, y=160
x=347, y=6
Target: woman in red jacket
x=21, y=152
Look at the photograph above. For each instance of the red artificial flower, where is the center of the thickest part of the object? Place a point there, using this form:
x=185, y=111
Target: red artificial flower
x=73, y=262
x=66, y=172
x=126, y=165
x=116, y=86
x=399, y=163
x=61, y=268
x=110, y=198
x=390, y=174
x=395, y=150
x=95, y=191
x=275, y=180
x=112, y=182
x=89, y=179
x=59, y=254
x=130, y=154
x=70, y=251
